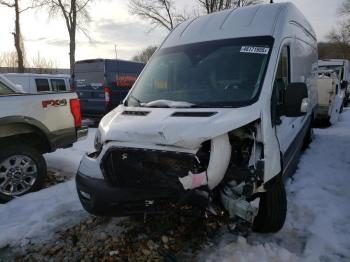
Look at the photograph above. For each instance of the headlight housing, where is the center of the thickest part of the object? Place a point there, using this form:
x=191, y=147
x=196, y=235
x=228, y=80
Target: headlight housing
x=97, y=141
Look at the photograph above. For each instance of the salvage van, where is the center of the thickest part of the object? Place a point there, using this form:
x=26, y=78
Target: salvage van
x=342, y=69
x=329, y=97
x=217, y=118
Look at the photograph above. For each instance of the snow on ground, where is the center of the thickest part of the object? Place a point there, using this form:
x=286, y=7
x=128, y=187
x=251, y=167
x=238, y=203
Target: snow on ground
x=67, y=160
x=318, y=220
x=39, y=215
x=42, y=213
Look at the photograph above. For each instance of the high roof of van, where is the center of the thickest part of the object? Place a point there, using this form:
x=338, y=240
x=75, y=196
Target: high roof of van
x=250, y=21
x=103, y=60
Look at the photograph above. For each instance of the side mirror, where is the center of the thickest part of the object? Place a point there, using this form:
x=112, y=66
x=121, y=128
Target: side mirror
x=296, y=100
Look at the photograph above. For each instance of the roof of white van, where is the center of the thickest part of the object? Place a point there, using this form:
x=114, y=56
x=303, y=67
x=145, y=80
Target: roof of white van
x=37, y=75
x=255, y=20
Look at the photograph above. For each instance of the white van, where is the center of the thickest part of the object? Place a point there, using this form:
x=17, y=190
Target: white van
x=342, y=69
x=38, y=83
x=330, y=97
x=217, y=117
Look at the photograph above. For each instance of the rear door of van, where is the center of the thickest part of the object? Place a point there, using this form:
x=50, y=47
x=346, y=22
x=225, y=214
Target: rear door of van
x=120, y=75
x=89, y=82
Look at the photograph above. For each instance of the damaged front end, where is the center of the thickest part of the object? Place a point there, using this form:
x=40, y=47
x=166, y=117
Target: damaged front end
x=226, y=170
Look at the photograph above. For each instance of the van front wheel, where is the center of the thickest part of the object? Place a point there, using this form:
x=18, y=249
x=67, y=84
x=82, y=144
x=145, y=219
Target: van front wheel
x=272, y=209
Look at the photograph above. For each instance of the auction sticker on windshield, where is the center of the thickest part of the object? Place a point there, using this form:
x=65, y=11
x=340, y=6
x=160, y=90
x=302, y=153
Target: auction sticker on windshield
x=255, y=50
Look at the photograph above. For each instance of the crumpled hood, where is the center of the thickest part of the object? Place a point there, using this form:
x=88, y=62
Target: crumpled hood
x=160, y=127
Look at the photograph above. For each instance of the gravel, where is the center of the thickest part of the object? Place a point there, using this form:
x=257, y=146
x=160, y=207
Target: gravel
x=175, y=236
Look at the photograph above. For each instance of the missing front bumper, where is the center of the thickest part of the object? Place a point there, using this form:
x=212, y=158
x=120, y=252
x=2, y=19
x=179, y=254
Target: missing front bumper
x=107, y=200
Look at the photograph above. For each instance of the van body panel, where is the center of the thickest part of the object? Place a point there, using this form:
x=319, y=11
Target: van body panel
x=193, y=104
x=286, y=25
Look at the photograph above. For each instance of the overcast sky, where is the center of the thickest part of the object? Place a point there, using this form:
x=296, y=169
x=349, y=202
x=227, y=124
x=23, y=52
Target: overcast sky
x=112, y=24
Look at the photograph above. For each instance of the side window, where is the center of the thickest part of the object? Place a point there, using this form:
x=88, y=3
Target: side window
x=42, y=85
x=282, y=78
x=281, y=82
x=58, y=85
x=4, y=90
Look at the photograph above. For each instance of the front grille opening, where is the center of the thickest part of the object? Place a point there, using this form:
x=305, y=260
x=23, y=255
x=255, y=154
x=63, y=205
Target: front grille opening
x=133, y=167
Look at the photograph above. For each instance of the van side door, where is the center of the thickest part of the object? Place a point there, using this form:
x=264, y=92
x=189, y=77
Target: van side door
x=286, y=127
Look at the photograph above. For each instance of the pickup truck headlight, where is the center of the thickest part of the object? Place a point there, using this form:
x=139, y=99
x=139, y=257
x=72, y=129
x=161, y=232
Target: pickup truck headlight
x=98, y=141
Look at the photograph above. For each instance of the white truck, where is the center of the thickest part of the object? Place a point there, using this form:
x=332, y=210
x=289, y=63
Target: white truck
x=30, y=126
x=39, y=83
x=217, y=117
x=342, y=69
x=330, y=97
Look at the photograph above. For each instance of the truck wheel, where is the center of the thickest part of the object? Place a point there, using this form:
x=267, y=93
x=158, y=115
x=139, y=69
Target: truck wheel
x=22, y=170
x=272, y=209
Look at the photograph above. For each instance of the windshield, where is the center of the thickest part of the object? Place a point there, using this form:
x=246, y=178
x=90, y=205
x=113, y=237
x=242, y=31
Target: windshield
x=223, y=73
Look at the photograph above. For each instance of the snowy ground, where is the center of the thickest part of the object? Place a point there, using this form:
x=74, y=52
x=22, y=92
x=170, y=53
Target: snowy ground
x=40, y=214
x=318, y=219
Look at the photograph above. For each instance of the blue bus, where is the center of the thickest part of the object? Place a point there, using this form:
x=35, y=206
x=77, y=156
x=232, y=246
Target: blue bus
x=102, y=84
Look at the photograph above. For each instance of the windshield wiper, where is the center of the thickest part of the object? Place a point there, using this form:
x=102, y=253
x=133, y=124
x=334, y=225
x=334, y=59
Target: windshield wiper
x=136, y=99
x=162, y=103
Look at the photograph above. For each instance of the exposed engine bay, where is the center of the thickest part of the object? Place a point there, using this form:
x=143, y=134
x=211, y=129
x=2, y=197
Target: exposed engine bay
x=238, y=170
x=227, y=170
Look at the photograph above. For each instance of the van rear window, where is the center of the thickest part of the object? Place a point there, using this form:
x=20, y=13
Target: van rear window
x=42, y=85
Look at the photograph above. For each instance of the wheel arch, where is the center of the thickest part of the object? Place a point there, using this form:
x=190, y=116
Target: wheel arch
x=25, y=130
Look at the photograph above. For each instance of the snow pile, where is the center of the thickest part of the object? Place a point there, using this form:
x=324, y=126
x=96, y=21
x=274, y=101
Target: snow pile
x=39, y=214
x=319, y=197
x=318, y=219
x=67, y=160
x=242, y=251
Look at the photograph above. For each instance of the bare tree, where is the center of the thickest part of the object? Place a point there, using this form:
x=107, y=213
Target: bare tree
x=161, y=13
x=8, y=59
x=344, y=8
x=218, y=5
x=144, y=55
x=339, y=37
x=76, y=16
x=43, y=65
x=14, y=4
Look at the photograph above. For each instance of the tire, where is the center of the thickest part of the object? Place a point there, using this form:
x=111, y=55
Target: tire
x=32, y=170
x=272, y=209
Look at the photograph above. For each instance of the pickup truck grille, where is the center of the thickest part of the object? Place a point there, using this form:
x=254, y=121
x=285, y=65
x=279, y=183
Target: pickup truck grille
x=134, y=167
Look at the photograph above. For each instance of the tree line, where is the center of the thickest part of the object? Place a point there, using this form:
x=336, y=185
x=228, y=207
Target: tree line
x=74, y=12
x=159, y=13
